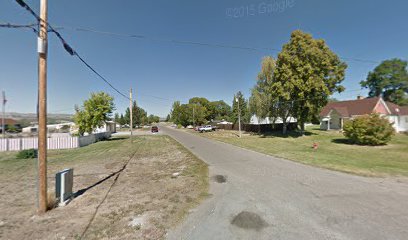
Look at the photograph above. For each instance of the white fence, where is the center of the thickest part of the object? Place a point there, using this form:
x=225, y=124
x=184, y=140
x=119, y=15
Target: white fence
x=17, y=144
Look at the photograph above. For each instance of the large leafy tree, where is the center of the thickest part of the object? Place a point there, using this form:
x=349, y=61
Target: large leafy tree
x=204, y=106
x=175, y=113
x=220, y=110
x=309, y=72
x=153, y=119
x=94, y=112
x=270, y=98
x=198, y=114
x=389, y=80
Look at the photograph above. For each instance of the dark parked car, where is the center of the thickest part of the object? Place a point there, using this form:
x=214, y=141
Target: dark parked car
x=155, y=129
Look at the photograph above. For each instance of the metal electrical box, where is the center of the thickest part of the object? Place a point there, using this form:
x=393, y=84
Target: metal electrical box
x=64, y=182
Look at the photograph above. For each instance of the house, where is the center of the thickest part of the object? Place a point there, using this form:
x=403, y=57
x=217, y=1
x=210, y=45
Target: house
x=259, y=121
x=50, y=127
x=223, y=122
x=9, y=123
x=108, y=126
x=335, y=114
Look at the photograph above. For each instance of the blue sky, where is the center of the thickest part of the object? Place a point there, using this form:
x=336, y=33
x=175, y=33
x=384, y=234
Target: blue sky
x=372, y=30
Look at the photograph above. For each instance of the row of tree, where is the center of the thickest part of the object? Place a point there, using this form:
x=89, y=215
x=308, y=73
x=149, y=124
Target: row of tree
x=200, y=110
x=298, y=83
x=139, y=117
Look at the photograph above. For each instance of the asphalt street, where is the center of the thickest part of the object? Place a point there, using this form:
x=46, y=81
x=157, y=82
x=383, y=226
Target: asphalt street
x=288, y=200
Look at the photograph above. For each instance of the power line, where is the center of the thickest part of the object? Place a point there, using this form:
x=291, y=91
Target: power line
x=72, y=52
x=9, y=25
x=184, y=42
x=68, y=48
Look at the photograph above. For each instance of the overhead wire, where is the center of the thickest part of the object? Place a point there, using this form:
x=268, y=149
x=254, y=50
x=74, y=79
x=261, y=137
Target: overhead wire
x=185, y=42
x=72, y=52
x=68, y=48
x=10, y=25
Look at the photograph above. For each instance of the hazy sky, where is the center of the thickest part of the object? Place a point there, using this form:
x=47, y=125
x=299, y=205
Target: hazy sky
x=155, y=67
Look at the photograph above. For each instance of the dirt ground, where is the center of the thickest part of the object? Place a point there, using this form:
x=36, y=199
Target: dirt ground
x=140, y=202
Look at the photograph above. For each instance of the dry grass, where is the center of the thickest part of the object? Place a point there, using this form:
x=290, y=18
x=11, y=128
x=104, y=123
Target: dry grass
x=144, y=191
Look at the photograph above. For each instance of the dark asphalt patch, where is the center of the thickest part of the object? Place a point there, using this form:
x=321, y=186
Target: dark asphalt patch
x=220, y=178
x=249, y=220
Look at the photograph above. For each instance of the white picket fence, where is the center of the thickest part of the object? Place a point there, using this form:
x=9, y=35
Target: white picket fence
x=17, y=144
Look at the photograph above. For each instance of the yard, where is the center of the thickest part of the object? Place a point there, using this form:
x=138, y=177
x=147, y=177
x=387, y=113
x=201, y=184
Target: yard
x=141, y=201
x=333, y=152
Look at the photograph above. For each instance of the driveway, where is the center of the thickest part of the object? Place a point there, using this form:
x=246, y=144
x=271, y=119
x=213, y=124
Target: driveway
x=265, y=197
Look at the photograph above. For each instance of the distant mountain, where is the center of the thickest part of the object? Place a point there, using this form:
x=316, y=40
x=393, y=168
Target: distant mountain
x=25, y=119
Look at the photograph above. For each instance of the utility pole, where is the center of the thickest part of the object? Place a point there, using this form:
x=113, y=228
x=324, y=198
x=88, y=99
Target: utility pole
x=239, y=116
x=3, y=116
x=131, y=112
x=42, y=109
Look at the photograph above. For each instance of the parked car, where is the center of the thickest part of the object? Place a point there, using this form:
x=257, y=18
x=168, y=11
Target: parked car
x=207, y=128
x=189, y=127
x=155, y=129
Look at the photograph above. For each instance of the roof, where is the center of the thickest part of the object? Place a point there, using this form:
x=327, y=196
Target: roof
x=397, y=110
x=351, y=107
x=404, y=110
x=8, y=121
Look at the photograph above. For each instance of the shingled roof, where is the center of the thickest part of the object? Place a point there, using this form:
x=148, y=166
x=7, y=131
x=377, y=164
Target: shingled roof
x=352, y=107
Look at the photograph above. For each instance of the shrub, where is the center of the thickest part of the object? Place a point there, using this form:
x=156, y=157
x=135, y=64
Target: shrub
x=29, y=153
x=369, y=130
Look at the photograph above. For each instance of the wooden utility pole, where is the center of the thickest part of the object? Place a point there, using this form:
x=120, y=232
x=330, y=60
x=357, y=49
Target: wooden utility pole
x=239, y=116
x=3, y=115
x=131, y=112
x=42, y=109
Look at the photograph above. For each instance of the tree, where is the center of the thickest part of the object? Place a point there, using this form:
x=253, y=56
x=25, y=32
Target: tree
x=117, y=118
x=309, y=72
x=94, y=112
x=168, y=118
x=175, y=112
x=389, y=80
x=220, y=110
x=197, y=113
x=122, y=120
x=270, y=98
x=153, y=119
x=204, y=105
x=243, y=108
x=139, y=115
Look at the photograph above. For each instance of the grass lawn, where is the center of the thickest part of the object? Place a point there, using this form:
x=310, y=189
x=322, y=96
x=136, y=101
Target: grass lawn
x=141, y=203
x=333, y=151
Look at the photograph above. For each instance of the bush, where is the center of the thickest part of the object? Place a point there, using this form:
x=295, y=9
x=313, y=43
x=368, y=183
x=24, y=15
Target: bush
x=29, y=153
x=369, y=130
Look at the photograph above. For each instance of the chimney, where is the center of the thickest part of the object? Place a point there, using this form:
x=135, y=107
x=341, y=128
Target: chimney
x=359, y=97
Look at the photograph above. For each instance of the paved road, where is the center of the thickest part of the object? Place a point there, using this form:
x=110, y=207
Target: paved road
x=295, y=200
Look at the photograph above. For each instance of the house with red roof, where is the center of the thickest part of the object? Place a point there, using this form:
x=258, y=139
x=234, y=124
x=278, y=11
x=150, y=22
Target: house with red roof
x=334, y=114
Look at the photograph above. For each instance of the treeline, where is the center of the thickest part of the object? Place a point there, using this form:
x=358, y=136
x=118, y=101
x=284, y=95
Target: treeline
x=199, y=111
x=139, y=117
x=298, y=83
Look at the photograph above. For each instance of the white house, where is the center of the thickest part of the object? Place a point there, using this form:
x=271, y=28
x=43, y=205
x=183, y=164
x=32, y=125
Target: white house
x=258, y=121
x=334, y=114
